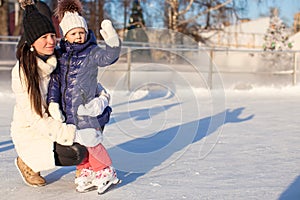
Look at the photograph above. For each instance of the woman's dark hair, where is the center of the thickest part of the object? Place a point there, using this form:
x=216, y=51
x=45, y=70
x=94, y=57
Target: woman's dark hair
x=29, y=69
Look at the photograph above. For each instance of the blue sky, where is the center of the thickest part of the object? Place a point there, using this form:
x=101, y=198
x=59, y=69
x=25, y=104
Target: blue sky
x=287, y=9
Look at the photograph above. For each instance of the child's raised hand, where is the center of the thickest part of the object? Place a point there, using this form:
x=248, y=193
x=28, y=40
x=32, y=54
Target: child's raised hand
x=109, y=34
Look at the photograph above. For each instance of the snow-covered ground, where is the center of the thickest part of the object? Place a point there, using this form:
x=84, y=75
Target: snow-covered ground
x=182, y=144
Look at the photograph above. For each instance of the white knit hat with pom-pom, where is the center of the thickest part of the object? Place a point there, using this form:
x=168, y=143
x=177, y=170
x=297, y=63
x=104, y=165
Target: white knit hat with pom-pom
x=72, y=20
x=69, y=16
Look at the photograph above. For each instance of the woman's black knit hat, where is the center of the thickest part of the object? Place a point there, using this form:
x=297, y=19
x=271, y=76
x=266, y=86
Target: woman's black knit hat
x=35, y=24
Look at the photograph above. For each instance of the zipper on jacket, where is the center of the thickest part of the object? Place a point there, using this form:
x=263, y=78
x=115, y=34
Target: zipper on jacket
x=66, y=79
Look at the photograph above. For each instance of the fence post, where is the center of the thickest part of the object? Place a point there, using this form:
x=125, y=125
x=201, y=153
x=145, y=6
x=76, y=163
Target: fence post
x=128, y=68
x=210, y=70
x=295, y=69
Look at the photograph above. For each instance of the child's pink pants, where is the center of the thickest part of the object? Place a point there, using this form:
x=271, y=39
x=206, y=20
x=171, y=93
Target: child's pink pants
x=97, y=159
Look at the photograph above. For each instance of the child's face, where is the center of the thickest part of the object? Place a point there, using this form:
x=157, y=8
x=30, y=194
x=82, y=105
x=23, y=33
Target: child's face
x=76, y=35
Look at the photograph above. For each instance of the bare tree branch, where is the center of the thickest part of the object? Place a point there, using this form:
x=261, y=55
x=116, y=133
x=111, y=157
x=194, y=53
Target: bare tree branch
x=205, y=12
x=182, y=12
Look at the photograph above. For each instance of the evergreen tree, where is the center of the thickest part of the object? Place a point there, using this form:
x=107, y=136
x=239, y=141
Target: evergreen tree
x=137, y=32
x=136, y=19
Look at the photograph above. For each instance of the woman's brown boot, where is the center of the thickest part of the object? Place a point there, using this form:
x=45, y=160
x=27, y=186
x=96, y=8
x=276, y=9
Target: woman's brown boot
x=30, y=177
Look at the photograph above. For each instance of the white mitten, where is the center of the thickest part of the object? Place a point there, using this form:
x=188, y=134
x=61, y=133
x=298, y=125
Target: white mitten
x=88, y=137
x=55, y=112
x=109, y=34
x=95, y=107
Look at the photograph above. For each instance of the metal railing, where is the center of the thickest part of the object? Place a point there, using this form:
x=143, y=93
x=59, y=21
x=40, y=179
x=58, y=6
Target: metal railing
x=242, y=66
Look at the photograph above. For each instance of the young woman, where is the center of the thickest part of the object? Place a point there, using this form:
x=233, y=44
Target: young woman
x=40, y=141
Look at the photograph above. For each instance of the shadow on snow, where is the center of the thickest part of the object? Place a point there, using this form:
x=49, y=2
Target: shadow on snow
x=6, y=145
x=146, y=153
x=140, y=114
x=292, y=192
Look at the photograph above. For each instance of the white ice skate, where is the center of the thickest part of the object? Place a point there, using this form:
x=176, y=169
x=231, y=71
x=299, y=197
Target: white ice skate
x=105, y=178
x=84, y=181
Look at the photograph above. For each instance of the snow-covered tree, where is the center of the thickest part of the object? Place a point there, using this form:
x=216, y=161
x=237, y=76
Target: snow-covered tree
x=277, y=37
x=276, y=44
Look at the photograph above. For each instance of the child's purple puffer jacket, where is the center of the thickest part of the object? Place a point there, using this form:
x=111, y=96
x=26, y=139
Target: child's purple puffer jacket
x=74, y=82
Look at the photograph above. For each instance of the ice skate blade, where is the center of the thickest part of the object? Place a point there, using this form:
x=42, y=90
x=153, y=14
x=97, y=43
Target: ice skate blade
x=113, y=182
x=86, y=189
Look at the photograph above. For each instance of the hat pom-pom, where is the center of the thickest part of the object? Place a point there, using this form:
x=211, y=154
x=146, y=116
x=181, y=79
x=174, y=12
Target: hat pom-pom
x=24, y=3
x=68, y=6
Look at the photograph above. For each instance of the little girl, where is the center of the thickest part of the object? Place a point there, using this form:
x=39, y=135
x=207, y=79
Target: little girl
x=75, y=95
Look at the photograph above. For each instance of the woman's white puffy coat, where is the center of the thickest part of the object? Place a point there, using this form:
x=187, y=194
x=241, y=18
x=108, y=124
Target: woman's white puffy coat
x=34, y=136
